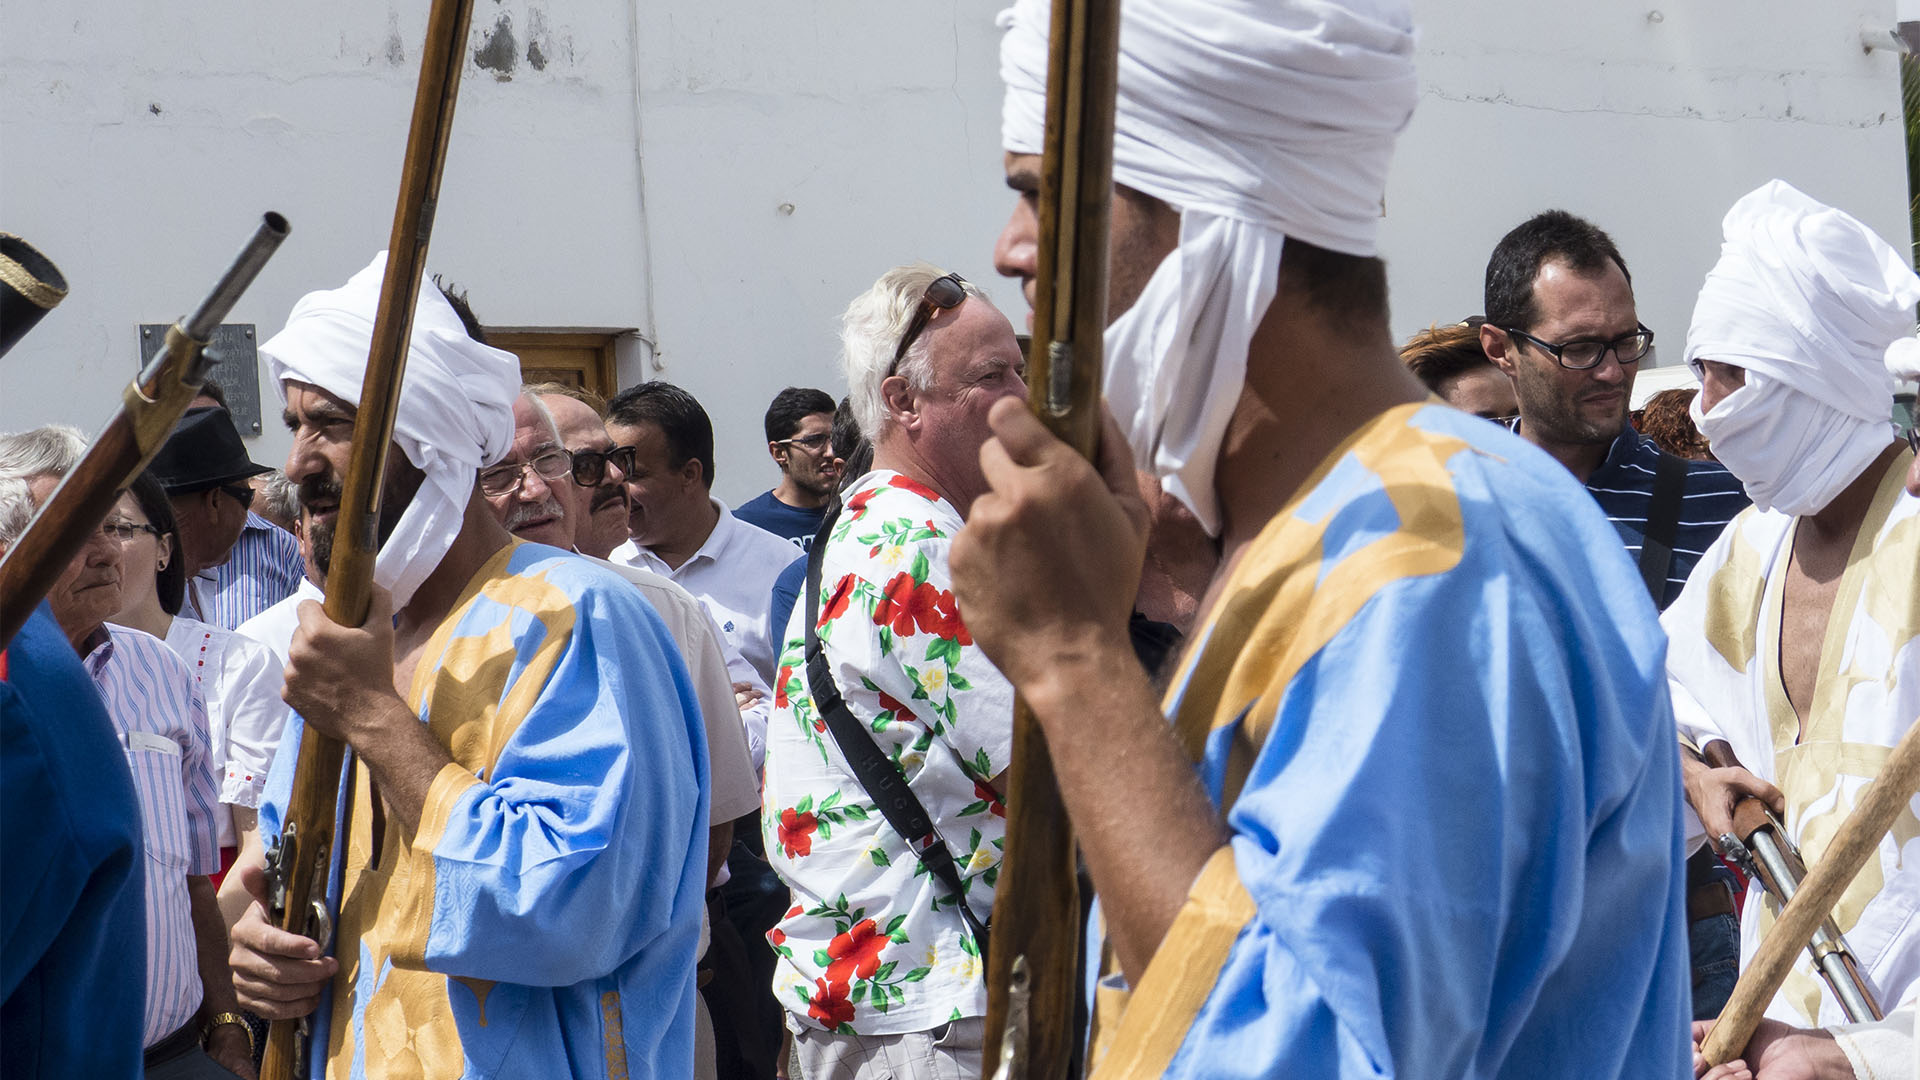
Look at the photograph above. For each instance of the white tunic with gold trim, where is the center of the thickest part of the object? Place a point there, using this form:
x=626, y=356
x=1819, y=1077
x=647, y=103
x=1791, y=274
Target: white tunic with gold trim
x=1724, y=666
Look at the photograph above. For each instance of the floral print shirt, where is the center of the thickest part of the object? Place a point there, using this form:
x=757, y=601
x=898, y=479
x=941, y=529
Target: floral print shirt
x=871, y=944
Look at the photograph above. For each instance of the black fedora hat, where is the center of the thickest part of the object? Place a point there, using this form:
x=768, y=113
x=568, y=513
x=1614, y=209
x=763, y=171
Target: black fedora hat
x=205, y=451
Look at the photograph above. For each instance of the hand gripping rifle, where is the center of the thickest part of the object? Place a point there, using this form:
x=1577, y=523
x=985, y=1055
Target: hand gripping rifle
x=150, y=407
x=1032, y=967
x=1880, y=804
x=299, y=865
x=1758, y=844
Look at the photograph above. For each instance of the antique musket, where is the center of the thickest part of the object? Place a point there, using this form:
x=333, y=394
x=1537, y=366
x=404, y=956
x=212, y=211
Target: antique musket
x=1759, y=845
x=1880, y=804
x=150, y=406
x=1033, y=965
x=301, y=862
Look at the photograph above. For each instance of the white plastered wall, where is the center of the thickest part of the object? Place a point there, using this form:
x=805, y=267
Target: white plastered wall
x=723, y=178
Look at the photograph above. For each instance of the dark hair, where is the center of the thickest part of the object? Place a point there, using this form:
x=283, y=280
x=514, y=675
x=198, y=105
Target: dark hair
x=212, y=389
x=688, y=430
x=457, y=299
x=849, y=445
x=792, y=405
x=1666, y=420
x=171, y=583
x=1439, y=353
x=1553, y=236
x=1350, y=290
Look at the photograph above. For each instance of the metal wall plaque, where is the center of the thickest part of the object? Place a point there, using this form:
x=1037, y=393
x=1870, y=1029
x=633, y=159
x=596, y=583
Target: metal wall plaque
x=235, y=366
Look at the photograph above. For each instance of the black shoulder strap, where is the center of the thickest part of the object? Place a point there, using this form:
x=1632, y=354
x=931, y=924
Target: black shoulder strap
x=1663, y=523
x=882, y=778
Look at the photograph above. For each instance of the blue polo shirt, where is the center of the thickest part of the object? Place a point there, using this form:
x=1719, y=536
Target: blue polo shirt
x=796, y=524
x=72, y=893
x=1623, y=486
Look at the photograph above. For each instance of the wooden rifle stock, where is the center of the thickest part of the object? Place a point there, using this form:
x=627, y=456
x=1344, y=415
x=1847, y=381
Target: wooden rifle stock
x=299, y=866
x=150, y=407
x=1036, y=911
x=1877, y=808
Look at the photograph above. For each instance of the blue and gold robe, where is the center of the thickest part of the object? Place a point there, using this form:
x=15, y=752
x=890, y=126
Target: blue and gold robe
x=543, y=921
x=1430, y=700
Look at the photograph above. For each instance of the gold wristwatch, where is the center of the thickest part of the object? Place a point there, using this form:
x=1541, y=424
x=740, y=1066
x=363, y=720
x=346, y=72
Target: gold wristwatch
x=221, y=1018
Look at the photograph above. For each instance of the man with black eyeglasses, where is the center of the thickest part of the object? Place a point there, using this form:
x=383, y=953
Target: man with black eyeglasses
x=238, y=563
x=1561, y=324
x=600, y=515
x=800, y=439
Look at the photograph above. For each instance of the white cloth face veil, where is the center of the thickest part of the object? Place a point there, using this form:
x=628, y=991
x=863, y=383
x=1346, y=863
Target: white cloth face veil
x=1258, y=120
x=456, y=406
x=1814, y=307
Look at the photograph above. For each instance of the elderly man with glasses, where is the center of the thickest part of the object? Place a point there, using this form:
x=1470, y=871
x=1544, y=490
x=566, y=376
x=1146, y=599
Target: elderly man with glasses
x=880, y=954
x=192, y=1028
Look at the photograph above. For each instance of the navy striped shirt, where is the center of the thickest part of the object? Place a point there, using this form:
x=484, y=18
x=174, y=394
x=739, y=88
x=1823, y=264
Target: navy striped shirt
x=1623, y=486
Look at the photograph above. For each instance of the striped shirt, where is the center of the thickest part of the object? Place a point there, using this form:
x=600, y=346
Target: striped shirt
x=162, y=726
x=1623, y=486
x=263, y=569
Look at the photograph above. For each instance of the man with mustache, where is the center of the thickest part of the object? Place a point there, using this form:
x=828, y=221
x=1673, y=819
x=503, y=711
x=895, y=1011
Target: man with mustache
x=525, y=845
x=542, y=492
x=600, y=518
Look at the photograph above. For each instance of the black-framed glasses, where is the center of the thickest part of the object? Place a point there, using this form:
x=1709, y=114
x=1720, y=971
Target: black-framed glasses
x=590, y=466
x=240, y=493
x=506, y=479
x=943, y=293
x=124, y=531
x=1581, y=355
x=812, y=444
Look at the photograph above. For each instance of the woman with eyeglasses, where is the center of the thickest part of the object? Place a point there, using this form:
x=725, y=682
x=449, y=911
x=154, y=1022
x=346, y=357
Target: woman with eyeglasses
x=238, y=678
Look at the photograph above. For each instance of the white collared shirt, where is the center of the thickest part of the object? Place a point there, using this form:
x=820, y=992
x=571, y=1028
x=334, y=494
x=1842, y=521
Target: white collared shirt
x=733, y=575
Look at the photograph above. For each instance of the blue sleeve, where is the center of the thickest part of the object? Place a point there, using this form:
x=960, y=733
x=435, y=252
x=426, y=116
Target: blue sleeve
x=1467, y=801
x=786, y=595
x=597, y=804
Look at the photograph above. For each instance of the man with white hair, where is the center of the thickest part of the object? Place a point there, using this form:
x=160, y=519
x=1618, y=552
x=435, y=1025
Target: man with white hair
x=525, y=845
x=1797, y=640
x=1392, y=859
x=879, y=957
x=542, y=492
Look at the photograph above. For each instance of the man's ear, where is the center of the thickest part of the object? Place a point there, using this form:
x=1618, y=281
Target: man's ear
x=779, y=454
x=902, y=404
x=691, y=472
x=1495, y=343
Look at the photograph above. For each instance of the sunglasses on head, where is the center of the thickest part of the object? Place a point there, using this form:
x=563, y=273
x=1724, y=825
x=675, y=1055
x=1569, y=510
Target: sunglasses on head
x=943, y=293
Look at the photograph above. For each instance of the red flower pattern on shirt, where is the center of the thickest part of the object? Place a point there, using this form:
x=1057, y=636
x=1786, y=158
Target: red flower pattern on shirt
x=829, y=1004
x=856, y=953
x=986, y=795
x=837, y=603
x=908, y=483
x=796, y=832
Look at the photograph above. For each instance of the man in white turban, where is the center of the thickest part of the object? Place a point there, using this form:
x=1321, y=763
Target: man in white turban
x=1434, y=829
x=525, y=840
x=1797, y=640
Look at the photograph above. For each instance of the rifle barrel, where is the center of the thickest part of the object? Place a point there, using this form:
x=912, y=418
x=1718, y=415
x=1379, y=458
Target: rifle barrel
x=150, y=407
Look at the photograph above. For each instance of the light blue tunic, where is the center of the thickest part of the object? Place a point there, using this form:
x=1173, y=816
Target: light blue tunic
x=1460, y=822
x=561, y=863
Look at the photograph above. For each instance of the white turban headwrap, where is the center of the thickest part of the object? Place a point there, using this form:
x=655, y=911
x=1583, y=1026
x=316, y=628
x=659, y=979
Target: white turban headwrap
x=456, y=406
x=1257, y=120
x=1813, y=305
